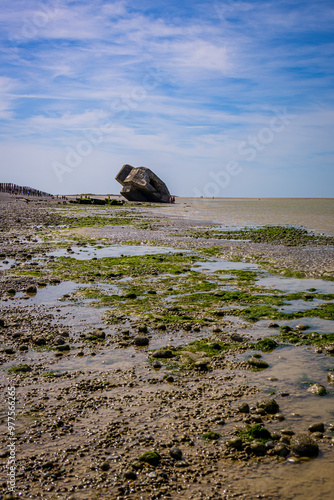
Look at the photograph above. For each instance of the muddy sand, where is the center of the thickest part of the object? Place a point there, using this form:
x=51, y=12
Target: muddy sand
x=143, y=357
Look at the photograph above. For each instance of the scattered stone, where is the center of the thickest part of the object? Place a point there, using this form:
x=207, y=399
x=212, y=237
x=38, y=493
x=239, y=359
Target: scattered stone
x=273, y=325
x=9, y=350
x=301, y=327
x=269, y=405
x=235, y=443
x=150, y=457
x=258, y=448
x=317, y=389
x=317, y=427
x=141, y=341
x=287, y=432
x=163, y=354
x=130, y=474
x=64, y=347
x=243, y=408
x=32, y=289
x=303, y=445
x=142, y=329
x=211, y=436
x=40, y=341
x=201, y=365
x=105, y=466
x=257, y=363
x=170, y=379
x=99, y=334
x=236, y=337
x=281, y=450
x=2, y=323
x=59, y=341
x=175, y=453
x=330, y=378
x=157, y=364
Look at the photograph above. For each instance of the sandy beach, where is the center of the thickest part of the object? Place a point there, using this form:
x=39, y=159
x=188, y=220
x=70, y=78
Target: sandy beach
x=152, y=358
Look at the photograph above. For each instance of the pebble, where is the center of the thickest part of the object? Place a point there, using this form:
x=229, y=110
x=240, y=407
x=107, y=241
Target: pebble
x=302, y=327
x=257, y=363
x=317, y=427
x=317, y=389
x=258, y=448
x=243, y=408
x=269, y=405
x=164, y=354
x=304, y=446
x=141, y=341
x=175, y=453
x=130, y=474
x=235, y=443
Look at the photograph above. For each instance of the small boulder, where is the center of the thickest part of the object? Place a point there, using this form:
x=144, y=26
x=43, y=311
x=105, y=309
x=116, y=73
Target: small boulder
x=141, y=341
x=269, y=405
x=201, y=365
x=281, y=450
x=243, y=408
x=317, y=389
x=175, y=453
x=150, y=457
x=258, y=448
x=163, y=354
x=303, y=445
x=301, y=327
x=317, y=427
x=235, y=443
x=32, y=289
x=330, y=378
x=257, y=363
x=130, y=474
x=236, y=337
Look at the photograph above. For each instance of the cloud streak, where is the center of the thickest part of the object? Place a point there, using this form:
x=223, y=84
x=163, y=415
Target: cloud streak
x=223, y=67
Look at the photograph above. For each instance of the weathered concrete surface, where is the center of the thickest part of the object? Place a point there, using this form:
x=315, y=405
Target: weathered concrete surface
x=141, y=184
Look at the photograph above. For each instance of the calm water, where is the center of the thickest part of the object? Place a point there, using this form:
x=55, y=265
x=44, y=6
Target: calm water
x=314, y=214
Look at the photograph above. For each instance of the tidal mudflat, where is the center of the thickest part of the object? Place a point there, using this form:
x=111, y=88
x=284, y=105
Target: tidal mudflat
x=154, y=358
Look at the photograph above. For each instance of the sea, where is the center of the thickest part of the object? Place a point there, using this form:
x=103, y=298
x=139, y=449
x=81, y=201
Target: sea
x=313, y=214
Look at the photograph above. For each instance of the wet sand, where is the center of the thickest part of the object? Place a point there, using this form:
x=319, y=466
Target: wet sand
x=85, y=416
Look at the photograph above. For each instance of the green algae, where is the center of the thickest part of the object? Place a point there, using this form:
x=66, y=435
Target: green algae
x=256, y=432
x=23, y=368
x=211, y=436
x=278, y=235
x=308, y=339
x=266, y=345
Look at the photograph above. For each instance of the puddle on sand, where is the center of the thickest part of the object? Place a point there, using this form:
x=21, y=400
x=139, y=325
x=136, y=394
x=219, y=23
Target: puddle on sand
x=296, y=368
x=48, y=295
x=222, y=265
x=294, y=285
x=89, y=252
x=6, y=264
x=302, y=305
x=261, y=328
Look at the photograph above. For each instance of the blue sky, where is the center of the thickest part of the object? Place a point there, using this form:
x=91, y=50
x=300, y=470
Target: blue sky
x=219, y=98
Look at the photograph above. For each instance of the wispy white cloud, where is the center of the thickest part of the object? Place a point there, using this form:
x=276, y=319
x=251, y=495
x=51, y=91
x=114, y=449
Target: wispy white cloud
x=177, y=83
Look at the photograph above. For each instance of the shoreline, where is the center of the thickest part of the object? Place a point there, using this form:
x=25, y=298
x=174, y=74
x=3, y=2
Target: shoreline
x=88, y=412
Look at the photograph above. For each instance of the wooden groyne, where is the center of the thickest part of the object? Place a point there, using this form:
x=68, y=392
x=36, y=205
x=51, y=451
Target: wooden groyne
x=6, y=187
